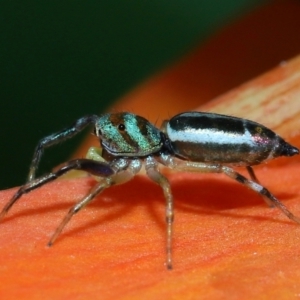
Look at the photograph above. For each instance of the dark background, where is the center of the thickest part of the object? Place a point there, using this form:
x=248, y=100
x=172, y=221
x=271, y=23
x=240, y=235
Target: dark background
x=60, y=60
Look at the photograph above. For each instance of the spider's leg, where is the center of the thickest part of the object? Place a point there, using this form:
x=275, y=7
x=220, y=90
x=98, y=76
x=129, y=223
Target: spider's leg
x=56, y=138
x=101, y=169
x=260, y=190
x=252, y=174
x=177, y=164
x=156, y=176
x=97, y=189
x=254, y=178
x=125, y=171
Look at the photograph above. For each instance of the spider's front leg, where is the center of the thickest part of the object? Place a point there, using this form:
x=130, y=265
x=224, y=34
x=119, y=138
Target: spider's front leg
x=56, y=138
x=124, y=170
x=101, y=169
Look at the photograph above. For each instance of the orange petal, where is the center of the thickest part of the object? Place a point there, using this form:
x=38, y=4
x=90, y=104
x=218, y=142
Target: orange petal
x=227, y=243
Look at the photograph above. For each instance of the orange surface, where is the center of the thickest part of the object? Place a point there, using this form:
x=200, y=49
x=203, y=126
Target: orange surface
x=227, y=243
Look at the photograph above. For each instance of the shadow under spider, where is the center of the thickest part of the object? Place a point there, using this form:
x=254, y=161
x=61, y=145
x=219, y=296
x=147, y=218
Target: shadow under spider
x=200, y=196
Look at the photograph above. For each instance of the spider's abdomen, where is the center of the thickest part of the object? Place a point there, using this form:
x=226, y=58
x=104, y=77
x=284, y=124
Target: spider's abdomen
x=214, y=138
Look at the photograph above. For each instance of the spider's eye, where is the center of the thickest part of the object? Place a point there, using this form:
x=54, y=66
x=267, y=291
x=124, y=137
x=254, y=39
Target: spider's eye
x=121, y=127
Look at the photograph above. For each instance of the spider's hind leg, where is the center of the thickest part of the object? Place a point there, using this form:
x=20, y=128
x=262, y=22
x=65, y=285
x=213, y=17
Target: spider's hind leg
x=260, y=190
x=254, y=178
x=252, y=174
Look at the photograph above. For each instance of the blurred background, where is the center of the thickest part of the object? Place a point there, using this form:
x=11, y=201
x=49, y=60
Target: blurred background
x=61, y=60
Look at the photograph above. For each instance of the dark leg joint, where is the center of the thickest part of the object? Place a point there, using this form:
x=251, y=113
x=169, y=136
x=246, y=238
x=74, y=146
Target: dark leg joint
x=93, y=167
x=240, y=178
